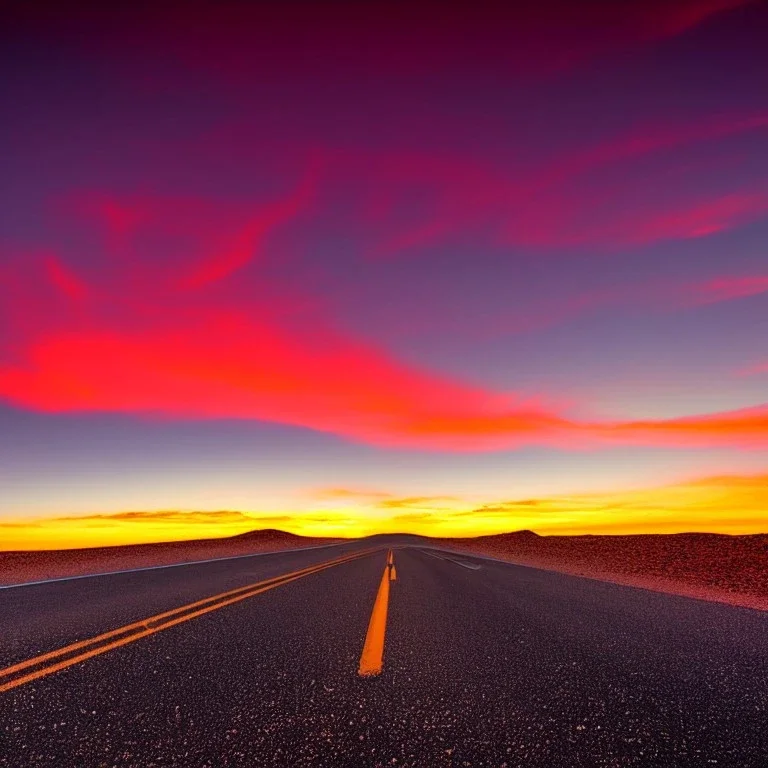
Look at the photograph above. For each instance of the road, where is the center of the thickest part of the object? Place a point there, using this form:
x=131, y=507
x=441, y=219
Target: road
x=484, y=664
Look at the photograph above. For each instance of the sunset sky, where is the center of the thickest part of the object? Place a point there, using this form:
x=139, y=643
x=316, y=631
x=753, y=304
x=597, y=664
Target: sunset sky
x=343, y=268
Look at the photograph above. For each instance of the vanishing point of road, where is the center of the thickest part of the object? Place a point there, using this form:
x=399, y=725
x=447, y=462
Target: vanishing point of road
x=380, y=652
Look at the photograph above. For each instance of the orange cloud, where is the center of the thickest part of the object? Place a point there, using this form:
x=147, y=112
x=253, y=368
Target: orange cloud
x=352, y=494
x=144, y=527
x=719, y=504
x=122, y=528
x=745, y=428
x=722, y=504
x=726, y=504
x=419, y=502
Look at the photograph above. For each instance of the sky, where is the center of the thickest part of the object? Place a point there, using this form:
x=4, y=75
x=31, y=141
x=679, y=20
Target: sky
x=344, y=268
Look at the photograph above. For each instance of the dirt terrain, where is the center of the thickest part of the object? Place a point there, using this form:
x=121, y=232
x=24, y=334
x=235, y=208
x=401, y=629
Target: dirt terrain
x=18, y=567
x=729, y=569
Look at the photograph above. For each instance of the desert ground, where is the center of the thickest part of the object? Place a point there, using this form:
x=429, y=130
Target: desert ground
x=708, y=566
x=728, y=569
x=20, y=566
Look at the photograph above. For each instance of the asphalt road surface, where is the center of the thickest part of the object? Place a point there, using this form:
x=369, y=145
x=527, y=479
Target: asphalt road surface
x=484, y=664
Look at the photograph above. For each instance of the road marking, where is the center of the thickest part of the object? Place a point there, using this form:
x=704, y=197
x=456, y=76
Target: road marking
x=391, y=566
x=153, y=624
x=372, y=657
x=470, y=566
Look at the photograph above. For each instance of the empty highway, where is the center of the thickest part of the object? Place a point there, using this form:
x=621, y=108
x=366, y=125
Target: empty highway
x=380, y=652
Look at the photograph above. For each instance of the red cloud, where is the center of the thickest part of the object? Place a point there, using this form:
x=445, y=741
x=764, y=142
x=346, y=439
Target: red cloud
x=243, y=247
x=670, y=19
x=176, y=354
x=644, y=140
x=726, y=288
x=226, y=366
x=703, y=219
x=393, y=202
x=753, y=370
x=65, y=280
x=579, y=221
x=658, y=296
x=119, y=217
x=413, y=201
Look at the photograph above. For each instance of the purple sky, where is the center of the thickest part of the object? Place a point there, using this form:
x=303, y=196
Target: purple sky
x=254, y=251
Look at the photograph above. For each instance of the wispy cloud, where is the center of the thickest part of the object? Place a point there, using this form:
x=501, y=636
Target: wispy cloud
x=753, y=370
x=724, y=503
x=575, y=200
x=130, y=527
x=351, y=494
x=717, y=503
x=148, y=526
x=649, y=297
x=419, y=502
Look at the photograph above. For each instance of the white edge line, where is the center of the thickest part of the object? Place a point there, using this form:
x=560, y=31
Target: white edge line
x=720, y=603
x=489, y=557
x=168, y=565
x=468, y=566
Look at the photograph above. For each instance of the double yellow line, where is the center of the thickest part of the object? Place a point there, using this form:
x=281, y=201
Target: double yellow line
x=54, y=661
x=372, y=657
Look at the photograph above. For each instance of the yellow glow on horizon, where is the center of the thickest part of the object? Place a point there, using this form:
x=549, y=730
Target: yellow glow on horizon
x=729, y=504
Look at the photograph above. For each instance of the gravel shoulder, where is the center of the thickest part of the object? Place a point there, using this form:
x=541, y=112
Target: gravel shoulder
x=716, y=567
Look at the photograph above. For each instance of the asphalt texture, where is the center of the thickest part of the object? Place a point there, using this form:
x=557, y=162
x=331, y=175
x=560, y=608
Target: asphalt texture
x=485, y=664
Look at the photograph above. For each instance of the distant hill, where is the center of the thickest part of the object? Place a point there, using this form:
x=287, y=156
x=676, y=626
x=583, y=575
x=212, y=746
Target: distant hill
x=267, y=534
x=521, y=535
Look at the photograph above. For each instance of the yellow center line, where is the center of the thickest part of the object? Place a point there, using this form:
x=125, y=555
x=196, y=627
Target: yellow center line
x=143, y=628
x=372, y=657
